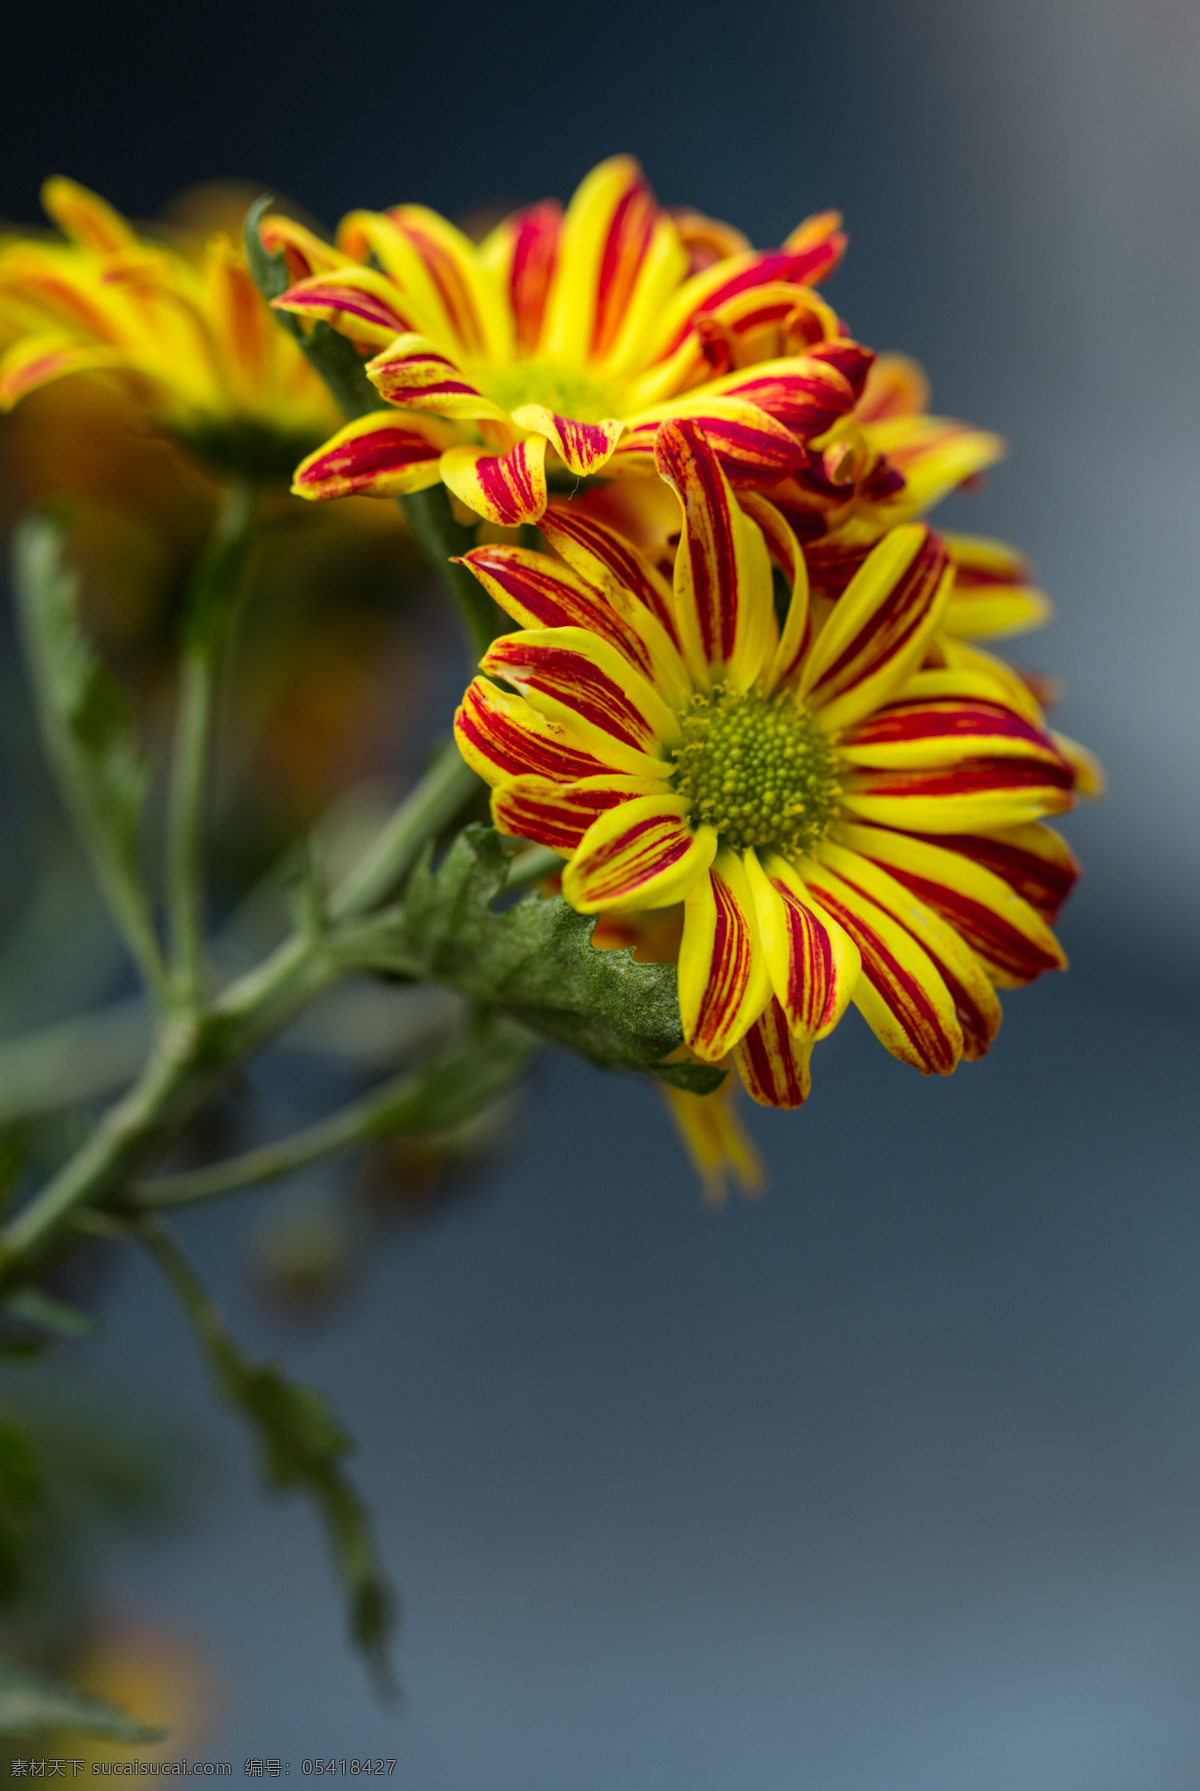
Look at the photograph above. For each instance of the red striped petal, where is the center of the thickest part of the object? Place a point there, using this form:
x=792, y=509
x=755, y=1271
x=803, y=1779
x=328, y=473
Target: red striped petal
x=774, y=1065
x=558, y=815
x=586, y=684
x=540, y=593
x=501, y=736
x=641, y=854
x=926, y=734
x=414, y=373
x=506, y=488
x=978, y=793
x=600, y=554
x=531, y=239
x=901, y=994
x=583, y=447
x=1033, y=860
x=376, y=456
x=723, y=984
x=358, y=302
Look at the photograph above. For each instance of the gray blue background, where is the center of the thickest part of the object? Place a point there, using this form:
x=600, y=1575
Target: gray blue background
x=890, y=1482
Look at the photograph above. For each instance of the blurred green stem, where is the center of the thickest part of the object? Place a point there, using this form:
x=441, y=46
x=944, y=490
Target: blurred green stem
x=212, y=605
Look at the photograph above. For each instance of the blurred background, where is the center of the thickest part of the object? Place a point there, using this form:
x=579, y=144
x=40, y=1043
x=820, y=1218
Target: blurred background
x=890, y=1481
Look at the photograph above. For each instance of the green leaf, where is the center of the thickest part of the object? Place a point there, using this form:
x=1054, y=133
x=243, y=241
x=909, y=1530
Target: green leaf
x=49, y=1314
x=302, y=1448
x=87, y=727
x=535, y=960
x=334, y=358
x=29, y=1702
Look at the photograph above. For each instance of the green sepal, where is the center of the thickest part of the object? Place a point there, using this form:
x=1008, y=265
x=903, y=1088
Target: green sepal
x=29, y=1702
x=334, y=358
x=535, y=960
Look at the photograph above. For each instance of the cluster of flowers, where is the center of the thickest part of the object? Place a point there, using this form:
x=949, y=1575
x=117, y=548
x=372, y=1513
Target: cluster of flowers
x=744, y=699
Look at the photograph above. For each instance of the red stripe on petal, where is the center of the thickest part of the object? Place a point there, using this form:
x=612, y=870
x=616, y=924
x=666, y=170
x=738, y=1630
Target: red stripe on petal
x=539, y=593
x=572, y=679
x=534, y=808
x=629, y=236
x=902, y=992
x=591, y=547
x=686, y=461
x=536, y=232
x=1033, y=860
x=890, y=624
x=772, y=1063
x=503, y=737
x=729, y=973
x=615, y=870
x=967, y=778
x=812, y=979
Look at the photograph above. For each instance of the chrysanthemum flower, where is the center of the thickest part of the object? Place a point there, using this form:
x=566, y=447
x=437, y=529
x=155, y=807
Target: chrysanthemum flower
x=570, y=336
x=846, y=810
x=194, y=344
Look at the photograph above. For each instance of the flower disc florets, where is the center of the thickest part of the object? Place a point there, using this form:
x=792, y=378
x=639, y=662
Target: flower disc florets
x=757, y=769
x=570, y=390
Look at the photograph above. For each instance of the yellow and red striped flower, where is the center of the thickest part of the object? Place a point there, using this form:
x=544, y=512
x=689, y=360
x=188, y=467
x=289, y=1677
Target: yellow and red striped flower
x=847, y=806
x=193, y=343
x=570, y=337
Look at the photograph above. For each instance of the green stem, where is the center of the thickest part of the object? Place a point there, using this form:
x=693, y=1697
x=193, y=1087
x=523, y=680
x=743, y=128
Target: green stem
x=193, y=1055
x=439, y=1095
x=531, y=866
x=211, y=608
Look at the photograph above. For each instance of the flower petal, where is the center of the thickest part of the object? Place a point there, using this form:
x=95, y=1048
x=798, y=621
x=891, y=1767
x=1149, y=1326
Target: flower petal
x=896, y=387
x=34, y=361
x=607, y=234
x=723, y=983
x=934, y=454
x=1033, y=860
x=583, y=447
x=773, y=1062
x=412, y=372
x=539, y=592
x=812, y=963
x=453, y=298
x=752, y=447
x=900, y=993
x=808, y=394
x=724, y=604
x=501, y=736
x=356, y=301
x=1090, y=780
x=714, y=1139
x=785, y=551
x=522, y=253
x=642, y=854
x=912, y=735
x=1005, y=931
x=581, y=681
x=86, y=218
x=302, y=250
x=975, y=1001
x=506, y=488
x=608, y=560
x=975, y=796
x=558, y=815
x=877, y=631
x=993, y=592
x=376, y=456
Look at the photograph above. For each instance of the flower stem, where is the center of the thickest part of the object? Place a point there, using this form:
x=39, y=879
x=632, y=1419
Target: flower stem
x=211, y=609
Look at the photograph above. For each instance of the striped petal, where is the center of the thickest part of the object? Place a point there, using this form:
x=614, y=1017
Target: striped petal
x=607, y=236
x=522, y=254
x=915, y=735
x=934, y=455
x=302, y=250
x=538, y=592
x=437, y=269
x=878, y=630
x=1033, y=860
x=34, y=361
x=896, y=387
x=642, y=854
x=812, y=963
x=724, y=604
x=609, y=561
x=356, y=301
x=1090, y=779
x=723, y=982
x=975, y=1002
x=900, y=994
x=1009, y=935
x=506, y=488
x=764, y=323
x=752, y=447
x=784, y=549
x=582, y=447
x=412, y=372
x=972, y=797
x=773, y=1062
x=808, y=394
x=501, y=736
x=993, y=592
x=558, y=815
x=579, y=680
x=376, y=456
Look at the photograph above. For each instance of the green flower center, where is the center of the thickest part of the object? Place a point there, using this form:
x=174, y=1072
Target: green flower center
x=758, y=769
x=567, y=390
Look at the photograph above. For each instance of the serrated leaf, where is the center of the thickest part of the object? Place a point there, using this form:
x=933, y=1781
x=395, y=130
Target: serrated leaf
x=87, y=724
x=535, y=960
x=30, y=1702
x=302, y=1448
